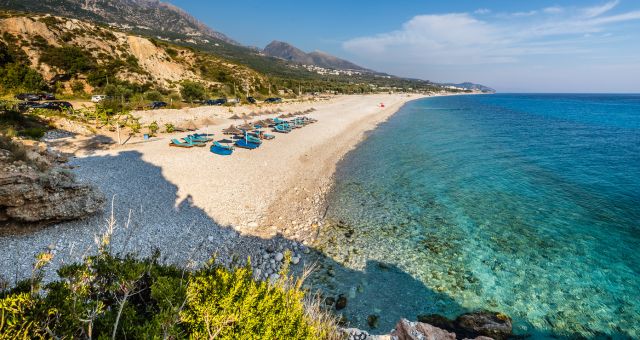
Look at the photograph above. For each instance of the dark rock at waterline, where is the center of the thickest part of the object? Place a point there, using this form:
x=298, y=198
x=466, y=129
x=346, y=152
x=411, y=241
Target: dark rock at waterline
x=341, y=303
x=487, y=323
x=330, y=301
x=372, y=320
x=407, y=330
x=438, y=321
x=476, y=324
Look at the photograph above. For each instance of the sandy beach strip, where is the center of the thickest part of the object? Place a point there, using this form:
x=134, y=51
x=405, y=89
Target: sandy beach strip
x=190, y=203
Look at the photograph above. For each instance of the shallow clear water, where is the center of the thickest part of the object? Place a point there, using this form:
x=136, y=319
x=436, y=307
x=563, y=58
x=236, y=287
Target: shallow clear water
x=524, y=204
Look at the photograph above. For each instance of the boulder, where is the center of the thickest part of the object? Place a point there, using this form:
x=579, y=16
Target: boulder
x=42, y=194
x=438, y=321
x=407, y=330
x=486, y=323
x=341, y=303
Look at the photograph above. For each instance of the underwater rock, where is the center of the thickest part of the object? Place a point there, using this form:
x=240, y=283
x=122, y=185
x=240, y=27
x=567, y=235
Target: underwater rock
x=341, y=303
x=329, y=301
x=372, y=320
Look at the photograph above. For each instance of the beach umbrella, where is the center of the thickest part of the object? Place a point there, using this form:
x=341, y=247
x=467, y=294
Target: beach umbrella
x=282, y=116
x=246, y=127
x=189, y=126
x=253, y=114
x=206, y=121
x=231, y=130
x=235, y=116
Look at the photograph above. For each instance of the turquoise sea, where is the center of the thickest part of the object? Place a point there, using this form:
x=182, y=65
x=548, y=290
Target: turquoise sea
x=527, y=204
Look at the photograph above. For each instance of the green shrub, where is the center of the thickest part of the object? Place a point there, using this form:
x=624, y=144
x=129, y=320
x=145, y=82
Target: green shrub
x=191, y=91
x=169, y=128
x=77, y=87
x=153, y=128
x=106, y=296
x=153, y=96
x=71, y=59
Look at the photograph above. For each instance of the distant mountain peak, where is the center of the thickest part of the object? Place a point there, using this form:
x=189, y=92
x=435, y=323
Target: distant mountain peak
x=286, y=51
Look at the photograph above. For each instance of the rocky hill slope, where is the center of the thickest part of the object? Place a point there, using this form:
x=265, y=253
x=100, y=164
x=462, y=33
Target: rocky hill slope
x=70, y=50
x=291, y=53
x=152, y=16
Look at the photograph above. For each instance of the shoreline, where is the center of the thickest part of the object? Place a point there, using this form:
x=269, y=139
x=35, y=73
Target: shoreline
x=309, y=193
x=190, y=204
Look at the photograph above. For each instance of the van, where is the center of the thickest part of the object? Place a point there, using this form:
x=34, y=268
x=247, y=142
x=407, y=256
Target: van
x=98, y=98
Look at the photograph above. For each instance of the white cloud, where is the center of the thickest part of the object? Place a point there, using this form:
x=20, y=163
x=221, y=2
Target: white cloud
x=553, y=10
x=592, y=12
x=482, y=11
x=463, y=38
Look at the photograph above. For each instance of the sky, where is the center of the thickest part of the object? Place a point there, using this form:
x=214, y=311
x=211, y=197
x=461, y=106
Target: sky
x=510, y=45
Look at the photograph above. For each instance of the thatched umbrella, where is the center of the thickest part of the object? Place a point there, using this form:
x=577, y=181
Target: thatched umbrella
x=282, y=116
x=246, y=127
x=231, y=130
x=189, y=126
x=253, y=114
x=234, y=117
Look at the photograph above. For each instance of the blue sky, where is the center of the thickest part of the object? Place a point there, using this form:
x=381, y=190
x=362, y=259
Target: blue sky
x=513, y=46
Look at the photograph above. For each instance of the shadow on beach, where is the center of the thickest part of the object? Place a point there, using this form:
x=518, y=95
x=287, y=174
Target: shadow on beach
x=149, y=216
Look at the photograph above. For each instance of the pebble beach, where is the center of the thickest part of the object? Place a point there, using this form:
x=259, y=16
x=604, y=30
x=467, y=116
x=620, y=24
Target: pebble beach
x=191, y=204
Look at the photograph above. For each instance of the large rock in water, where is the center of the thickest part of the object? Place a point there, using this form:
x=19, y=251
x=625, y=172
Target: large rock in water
x=494, y=325
x=31, y=195
x=407, y=330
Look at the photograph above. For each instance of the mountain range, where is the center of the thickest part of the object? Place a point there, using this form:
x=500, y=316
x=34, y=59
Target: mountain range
x=151, y=16
x=293, y=54
x=162, y=21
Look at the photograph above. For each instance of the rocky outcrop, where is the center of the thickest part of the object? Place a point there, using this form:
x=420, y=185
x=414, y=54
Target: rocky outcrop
x=35, y=191
x=494, y=325
x=479, y=325
x=407, y=330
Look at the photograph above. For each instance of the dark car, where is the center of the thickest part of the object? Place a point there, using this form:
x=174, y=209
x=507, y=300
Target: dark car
x=24, y=106
x=219, y=101
x=157, y=105
x=58, y=106
x=35, y=96
x=251, y=100
x=29, y=97
x=273, y=100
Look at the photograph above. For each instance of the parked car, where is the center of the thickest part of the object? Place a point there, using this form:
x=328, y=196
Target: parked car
x=157, y=105
x=98, y=98
x=24, y=106
x=58, y=106
x=35, y=96
x=273, y=100
x=32, y=97
x=251, y=100
x=219, y=101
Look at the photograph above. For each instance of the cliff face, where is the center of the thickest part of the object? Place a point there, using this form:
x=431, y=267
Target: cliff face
x=34, y=190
